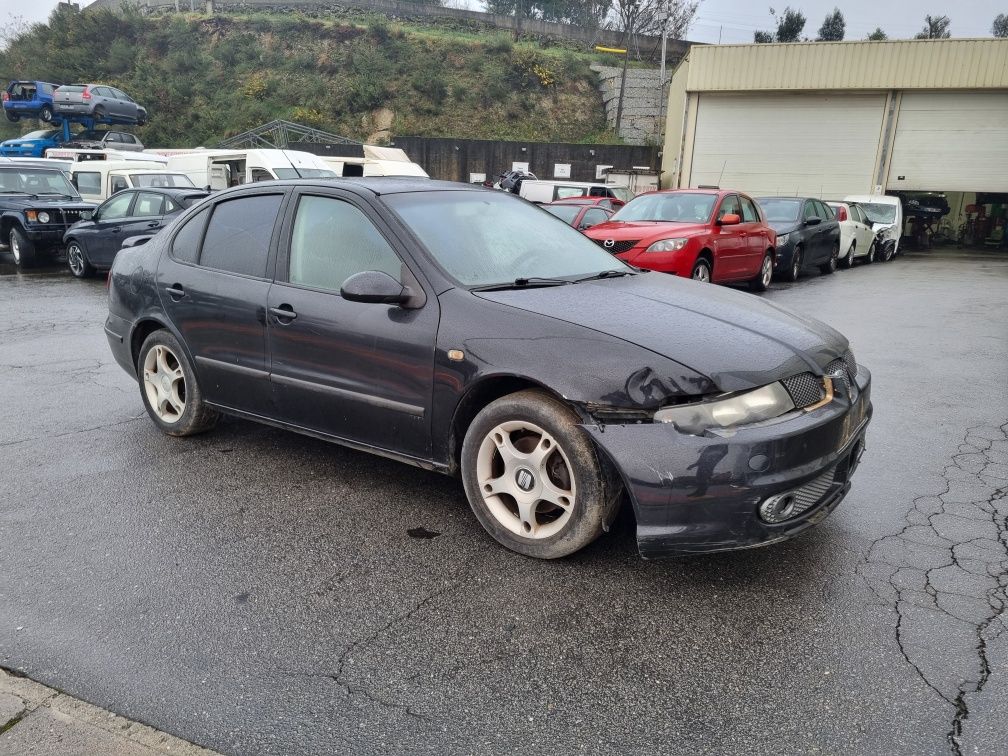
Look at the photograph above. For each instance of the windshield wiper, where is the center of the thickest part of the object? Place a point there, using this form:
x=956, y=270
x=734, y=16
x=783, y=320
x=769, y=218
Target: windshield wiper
x=606, y=274
x=530, y=282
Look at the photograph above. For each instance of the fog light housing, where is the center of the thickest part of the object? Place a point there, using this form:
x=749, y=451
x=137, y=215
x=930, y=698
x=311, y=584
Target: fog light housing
x=778, y=508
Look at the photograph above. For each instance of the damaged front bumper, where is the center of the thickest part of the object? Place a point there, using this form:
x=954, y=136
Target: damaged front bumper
x=694, y=494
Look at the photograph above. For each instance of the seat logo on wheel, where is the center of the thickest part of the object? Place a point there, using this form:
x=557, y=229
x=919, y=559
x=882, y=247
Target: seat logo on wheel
x=609, y=243
x=524, y=479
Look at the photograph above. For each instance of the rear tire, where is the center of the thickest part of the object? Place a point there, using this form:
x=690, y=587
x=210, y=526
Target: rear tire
x=830, y=265
x=77, y=260
x=794, y=270
x=99, y=113
x=24, y=251
x=702, y=271
x=533, y=477
x=848, y=261
x=168, y=387
x=762, y=280
x=45, y=114
x=12, y=117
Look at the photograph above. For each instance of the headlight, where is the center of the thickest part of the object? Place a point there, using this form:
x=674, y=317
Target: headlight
x=782, y=240
x=751, y=407
x=43, y=217
x=668, y=245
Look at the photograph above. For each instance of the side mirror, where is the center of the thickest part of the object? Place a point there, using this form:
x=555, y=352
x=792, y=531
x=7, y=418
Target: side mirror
x=729, y=219
x=376, y=287
x=813, y=221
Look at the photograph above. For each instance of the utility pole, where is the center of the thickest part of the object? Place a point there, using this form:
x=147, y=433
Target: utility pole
x=622, y=84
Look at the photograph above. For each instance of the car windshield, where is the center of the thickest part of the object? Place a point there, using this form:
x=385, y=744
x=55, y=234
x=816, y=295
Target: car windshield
x=89, y=134
x=671, y=207
x=35, y=181
x=776, y=209
x=565, y=213
x=290, y=173
x=161, y=179
x=40, y=134
x=878, y=212
x=483, y=238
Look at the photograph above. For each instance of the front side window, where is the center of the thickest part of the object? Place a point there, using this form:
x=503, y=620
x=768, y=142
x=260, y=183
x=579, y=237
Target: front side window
x=148, y=204
x=730, y=205
x=115, y=208
x=593, y=217
x=566, y=213
x=810, y=210
x=826, y=213
x=88, y=182
x=238, y=236
x=672, y=207
x=260, y=174
x=119, y=183
x=333, y=240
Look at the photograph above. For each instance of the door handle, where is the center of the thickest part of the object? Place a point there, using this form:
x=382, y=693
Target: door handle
x=176, y=292
x=117, y=229
x=153, y=224
x=283, y=313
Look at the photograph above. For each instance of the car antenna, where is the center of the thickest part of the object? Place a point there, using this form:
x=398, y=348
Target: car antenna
x=721, y=175
x=283, y=152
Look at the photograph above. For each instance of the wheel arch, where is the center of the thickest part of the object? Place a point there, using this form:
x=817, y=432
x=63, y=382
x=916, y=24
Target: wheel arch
x=144, y=327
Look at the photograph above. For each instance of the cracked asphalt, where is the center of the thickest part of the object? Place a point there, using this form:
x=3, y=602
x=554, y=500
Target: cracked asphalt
x=254, y=591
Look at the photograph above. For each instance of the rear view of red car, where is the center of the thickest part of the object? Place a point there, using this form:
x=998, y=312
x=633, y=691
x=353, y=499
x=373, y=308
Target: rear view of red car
x=704, y=234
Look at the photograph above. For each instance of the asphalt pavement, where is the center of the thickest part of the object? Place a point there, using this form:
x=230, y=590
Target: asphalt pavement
x=254, y=591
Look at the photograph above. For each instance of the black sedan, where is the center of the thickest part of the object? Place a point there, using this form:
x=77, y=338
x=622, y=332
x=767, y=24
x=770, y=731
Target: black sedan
x=808, y=235
x=94, y=242
x=386, y=315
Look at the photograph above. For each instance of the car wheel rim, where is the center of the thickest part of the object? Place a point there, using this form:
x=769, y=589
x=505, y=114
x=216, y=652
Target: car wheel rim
x=76, y=259
x=701, y=273
x=850, y=256
x=15, y=248
x=767, y=272
x=796, y=265
x=834, y=258
x=164, y=384
x=525, y=480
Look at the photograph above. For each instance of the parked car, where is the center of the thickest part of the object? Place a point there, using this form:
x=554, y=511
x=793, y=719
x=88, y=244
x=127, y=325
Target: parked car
x=32, y=144
x=389, y=317
x=101, y=102
x=99, y=139
x=609, y=203
x=857, y=239
x=579, y=216
x=541, y=191
x=707, y=235
x=37, y=205
x=886, y=215
x=808, y=234
x=29, y=99
x=94, y=241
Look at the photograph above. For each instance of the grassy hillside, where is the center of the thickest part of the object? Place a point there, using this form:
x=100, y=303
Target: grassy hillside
x=206, y=78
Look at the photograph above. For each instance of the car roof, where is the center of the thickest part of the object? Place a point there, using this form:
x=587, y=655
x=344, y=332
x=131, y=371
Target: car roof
x=15, y=163
x=775, y=196
x=171, y=191
x=377, y=185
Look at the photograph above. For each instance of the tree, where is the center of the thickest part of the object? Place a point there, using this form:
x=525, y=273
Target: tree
x=935, y=27
x=832, y=29
x=673, y=17
x=762, y=37
x=878, y=35
x=789, y=27
x=1000, y=26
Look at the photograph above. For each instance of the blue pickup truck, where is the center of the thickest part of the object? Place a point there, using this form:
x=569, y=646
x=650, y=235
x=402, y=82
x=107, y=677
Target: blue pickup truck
x=29, y=99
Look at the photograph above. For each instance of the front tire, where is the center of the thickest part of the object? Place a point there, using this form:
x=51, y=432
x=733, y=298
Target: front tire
x=23, y=250
x=792, y=273
x=77, y=261
x=870, y=257
x=45, y=114
x=169, y=388
x=533, y=478
x=701, y=271
x=831, y=265
x=11, y=116
x=762, y=280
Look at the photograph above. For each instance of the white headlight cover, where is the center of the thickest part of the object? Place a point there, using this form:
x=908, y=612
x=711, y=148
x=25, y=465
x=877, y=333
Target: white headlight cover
x=667, y=245
x=751, y=407
x=781, y=239
x=43, y=217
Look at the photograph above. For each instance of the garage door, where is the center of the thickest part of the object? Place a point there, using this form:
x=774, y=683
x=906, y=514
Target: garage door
x=804, y=144
x=951, y=142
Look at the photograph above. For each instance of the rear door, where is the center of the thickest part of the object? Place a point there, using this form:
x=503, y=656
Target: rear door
x=865, y=237
x=731, y=243
x=756, y=240
x=146, y=215
x=213, y=285
x=358, y=371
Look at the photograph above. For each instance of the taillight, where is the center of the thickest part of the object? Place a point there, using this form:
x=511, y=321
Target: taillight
x=6, y=96
x=841, y=213
x=85, y=95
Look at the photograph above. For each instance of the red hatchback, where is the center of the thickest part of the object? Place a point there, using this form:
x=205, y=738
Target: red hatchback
x=705, y=234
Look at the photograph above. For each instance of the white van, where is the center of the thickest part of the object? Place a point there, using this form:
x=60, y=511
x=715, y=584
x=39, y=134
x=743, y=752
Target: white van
x=97, y=180
x=82, y=155
x=540, y=191
x=377, y=161
x=886, y=215
x=219, y=169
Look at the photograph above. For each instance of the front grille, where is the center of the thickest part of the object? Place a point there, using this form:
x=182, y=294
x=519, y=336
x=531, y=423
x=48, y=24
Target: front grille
x=617, y=247
x=787, y=506
x=71, y=216
x=805, y=389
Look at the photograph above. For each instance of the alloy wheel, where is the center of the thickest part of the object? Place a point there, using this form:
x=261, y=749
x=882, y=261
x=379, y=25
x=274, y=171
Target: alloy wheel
x=75, y=259
x=702, y=273
x=850, y=257
x=766, y=273
x=525, y=479
x=15, y=247
x=834, y=258
x=795, y=265
x=164, y=384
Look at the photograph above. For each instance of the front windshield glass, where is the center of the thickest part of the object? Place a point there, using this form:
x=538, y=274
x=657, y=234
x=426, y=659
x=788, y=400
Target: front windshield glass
x=40, y=134
x=90, y=135
x=482, y=238
x=674, y=207
x=35, y=181
x=161, y=179
x=879, y=213
x=291, y=173
x=779, y=210
x=566, y=213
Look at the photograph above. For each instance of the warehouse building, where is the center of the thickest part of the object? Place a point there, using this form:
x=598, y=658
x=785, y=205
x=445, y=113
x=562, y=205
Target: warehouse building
x=924, y=119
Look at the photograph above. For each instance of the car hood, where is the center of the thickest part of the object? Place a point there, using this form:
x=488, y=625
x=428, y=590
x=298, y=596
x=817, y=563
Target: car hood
x=26, y=201
x=620, y=230
x=737, y=340
x=784, y=227
x=22, y=142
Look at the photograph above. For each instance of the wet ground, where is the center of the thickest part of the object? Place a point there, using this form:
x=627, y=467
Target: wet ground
x=255, y=591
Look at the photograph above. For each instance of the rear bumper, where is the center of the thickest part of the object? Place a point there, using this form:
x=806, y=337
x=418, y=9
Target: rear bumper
x=117, y=331
x=694, y=494
x=72, y=108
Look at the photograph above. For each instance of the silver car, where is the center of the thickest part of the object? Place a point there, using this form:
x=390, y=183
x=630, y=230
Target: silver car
x=105, y=140
x=101, y=102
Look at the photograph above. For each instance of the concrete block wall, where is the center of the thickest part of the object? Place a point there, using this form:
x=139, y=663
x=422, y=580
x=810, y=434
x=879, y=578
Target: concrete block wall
x=642, y=101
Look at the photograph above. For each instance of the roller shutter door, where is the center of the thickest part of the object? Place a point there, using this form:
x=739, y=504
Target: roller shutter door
x=804, y=144
x=951, y=141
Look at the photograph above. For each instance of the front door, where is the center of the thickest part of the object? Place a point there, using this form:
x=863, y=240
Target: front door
x=731, y=242
x=105, y=238
x=214, y=285
x=358, y=371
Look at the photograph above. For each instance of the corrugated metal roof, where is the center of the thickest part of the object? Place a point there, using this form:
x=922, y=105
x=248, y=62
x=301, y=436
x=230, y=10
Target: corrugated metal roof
x=897, y=64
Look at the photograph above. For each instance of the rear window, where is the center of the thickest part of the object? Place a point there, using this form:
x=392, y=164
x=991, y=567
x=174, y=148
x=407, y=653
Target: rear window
x=71, y=88
x=238, y=237
x=185, y=246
